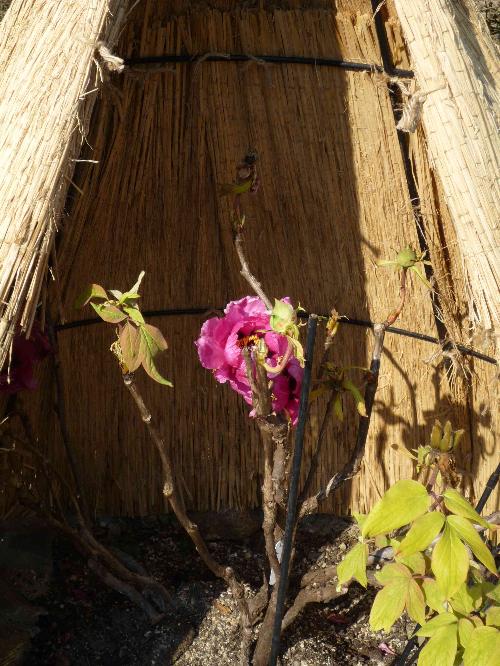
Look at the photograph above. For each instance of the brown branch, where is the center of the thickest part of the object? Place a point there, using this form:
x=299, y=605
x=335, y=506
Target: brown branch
x=171, y=493
x=246, y=273
x=402, y=295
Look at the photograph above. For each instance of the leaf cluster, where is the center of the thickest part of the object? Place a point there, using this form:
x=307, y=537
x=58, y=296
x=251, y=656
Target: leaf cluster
x=436, y=575
x=138, y=343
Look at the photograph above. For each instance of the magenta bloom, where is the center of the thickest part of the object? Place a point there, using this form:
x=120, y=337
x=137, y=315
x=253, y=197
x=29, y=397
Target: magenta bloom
x=221, y=344
x=26, y=352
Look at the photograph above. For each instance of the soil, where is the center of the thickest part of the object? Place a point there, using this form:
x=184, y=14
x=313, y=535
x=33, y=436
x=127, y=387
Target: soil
x=81, y=623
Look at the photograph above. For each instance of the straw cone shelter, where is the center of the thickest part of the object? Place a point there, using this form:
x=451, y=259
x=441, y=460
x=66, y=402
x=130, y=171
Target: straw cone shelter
x=140, y=192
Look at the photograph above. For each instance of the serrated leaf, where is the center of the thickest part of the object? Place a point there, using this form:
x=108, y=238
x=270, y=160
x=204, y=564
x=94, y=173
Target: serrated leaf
x=415, y=602
x=130, y=344
x=92, y=291
x=450, y=562
x=465, y=629
x=392, y=571
x=441, y=648
x=458, y=505
x=436, y=623
x=467, y=532
x=388, y=605
x=148, y=350
x=134, y=314
x=401, y=504
x=422, y=532
x=462, y=601
x=483, y=647
x=109, y=313
x=493, y=616
x=434, y=596
x=354, y=565
x=415, y=562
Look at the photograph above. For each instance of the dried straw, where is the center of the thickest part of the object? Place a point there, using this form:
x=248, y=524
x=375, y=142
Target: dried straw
x=446, y=43
x=46, y=73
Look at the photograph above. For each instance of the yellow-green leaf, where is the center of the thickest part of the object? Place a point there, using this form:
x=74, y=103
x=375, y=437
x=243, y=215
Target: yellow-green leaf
x=392, y=571
x=109, y=313
x=431, y=627
x=441, y=648
x=458, y=505
x=401, y=504
x=450, y=562
x=465, y=629
x=415, y=561
x=354, y=565
x=494, y=594
x=493, y=616
x=483, y=647
x=388, y=605
x=134, y=314
x=148, y=349
x=434, y=596
x=422, y=532
x=415, y=602
x=462, y=601
x=471, y=537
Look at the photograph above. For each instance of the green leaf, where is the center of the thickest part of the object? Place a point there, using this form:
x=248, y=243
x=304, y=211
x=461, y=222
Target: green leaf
x=129, y=297
x=381, y=541
x=109, y=313
x=356, y=394
x=434, y=596
x=462, y=601
x=134, y=314
x=157, y=337
x=92, y=291
x=415, y=602
x=465, y=629
x=130, y=344
x=337, y=407
x=422, y=532
x=415, y=561
x=441, y=649
x=483, y=647
x=478, y=593
x=359, y=518
x=458, y=505
x=282, y=315
x=472, y=538
x=354, y=565
x=148, y=349
x=493, y=616
x=450, y=562
x=442, y=620
x=494, y=594
x=389, y=605
x=421, y=277
x=392, y=571
x=401, y=504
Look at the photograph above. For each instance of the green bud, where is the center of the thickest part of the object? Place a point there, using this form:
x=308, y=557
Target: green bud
x=407, y=257
x=436, y=435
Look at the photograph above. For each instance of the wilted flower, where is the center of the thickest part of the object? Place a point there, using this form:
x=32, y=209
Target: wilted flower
x=245, y=323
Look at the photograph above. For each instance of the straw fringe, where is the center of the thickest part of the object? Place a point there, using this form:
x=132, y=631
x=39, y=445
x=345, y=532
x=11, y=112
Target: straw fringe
x=45, y=73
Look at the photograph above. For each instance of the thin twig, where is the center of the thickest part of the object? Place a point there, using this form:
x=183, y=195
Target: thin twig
x=246, y=273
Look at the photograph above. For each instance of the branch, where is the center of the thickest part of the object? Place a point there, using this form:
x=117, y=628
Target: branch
x=245, y=272
x=171, y=493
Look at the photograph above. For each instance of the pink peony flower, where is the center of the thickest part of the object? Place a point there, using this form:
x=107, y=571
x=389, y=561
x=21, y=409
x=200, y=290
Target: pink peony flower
x=26, y=352
x=221, y=344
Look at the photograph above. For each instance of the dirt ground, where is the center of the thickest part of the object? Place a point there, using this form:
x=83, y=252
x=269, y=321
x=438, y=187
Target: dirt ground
x=76, y=621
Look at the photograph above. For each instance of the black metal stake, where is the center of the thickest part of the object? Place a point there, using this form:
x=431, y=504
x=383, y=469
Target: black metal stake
x=294, y=489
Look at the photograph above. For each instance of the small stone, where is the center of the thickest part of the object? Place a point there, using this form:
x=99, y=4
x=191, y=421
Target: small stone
x=342, y=546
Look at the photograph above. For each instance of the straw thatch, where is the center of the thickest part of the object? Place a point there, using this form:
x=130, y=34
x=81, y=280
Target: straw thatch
x=333, y=199
x=451, y=50
x=47, y=72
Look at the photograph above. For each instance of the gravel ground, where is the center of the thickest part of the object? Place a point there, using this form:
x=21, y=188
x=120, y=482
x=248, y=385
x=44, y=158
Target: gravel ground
x=86, y=624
